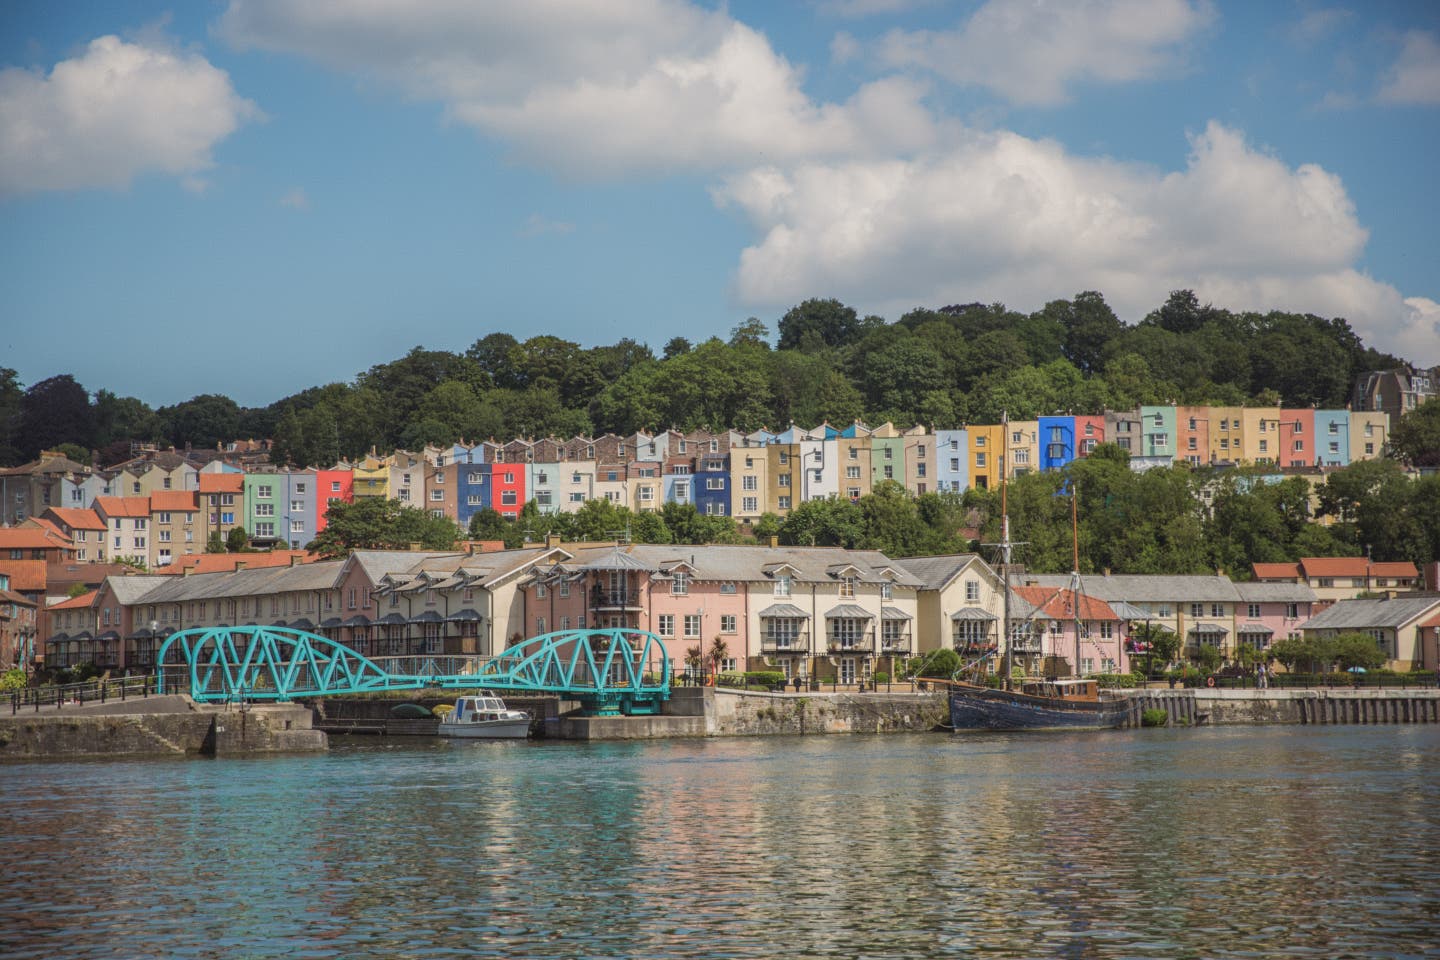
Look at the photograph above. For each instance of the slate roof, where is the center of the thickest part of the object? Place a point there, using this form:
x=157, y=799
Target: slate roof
x=935, y=572
x=1145, y=588
x=1366, y=614
x=1275, y=593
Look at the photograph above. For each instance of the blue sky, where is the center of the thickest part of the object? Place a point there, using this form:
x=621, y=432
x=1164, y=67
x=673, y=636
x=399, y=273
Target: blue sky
x=252, y=197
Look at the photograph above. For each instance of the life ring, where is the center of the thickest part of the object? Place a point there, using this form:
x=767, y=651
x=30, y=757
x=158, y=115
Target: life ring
x=1209, y=681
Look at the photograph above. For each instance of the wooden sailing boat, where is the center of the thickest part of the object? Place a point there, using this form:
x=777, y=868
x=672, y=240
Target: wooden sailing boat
x=1042, y=704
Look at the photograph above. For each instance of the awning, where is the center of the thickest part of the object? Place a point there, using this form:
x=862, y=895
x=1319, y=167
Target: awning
x=357, y=621
x=82, y=635
x=848, y=611
x=109, y=635
x=894, y=613
x=394, y=619
x=429, y=616
x=57, y=638
x=1253, y=629
x=330, y=623
x=1128, y=611
x=144, y=633
x=783, y=610
x=278, y=623
x=973, y=613
x=1209, y=630
x=302, y=624
x=467, y=616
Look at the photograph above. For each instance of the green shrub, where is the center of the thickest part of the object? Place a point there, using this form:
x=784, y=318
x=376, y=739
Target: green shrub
x=1123, y=680
x=882, y=676
x=12, y=680
x=764, y=678
x=1154, y=717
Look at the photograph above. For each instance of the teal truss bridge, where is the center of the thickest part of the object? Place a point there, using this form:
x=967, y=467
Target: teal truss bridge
x=614, y=671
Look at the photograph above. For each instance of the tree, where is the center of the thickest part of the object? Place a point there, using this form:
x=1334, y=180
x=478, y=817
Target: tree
x=208, y=420
x=719, y=653
x=1206, y=657
x=1415, y=438
x=816, y=324
x=237, y=540
x=216, y=543
x=824, y=523
x=375, y=524
x=1357, y=651
x=675, y=347
x=752, y=333
x=53, y=412
x=1164, y=644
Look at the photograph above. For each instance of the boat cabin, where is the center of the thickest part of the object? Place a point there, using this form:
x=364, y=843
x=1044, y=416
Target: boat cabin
x=1069, y=689
x=479, y=709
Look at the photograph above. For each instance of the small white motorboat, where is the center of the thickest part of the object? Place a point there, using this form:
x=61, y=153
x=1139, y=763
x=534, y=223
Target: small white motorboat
x=485, y=715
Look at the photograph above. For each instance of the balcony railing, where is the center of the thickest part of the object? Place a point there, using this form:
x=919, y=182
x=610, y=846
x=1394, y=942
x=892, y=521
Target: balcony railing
x=899, y=644
x=855, y=643
x=614, y=599
x=771, y=642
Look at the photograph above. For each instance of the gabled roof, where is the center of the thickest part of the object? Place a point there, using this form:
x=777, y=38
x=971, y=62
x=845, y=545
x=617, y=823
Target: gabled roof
x=123, y=506
x=1059, y=604
x=77, y=518
x=176, y=501
x=222, y=482
x=130, y=590
x=224, y=562
x=1276, y=571
x=1275, y=592
x=28, y=538
x=1366, y=614
x=937, y=572
x=1145, y=588
x=1403, y=568
x=26, y=576
x=81, y=602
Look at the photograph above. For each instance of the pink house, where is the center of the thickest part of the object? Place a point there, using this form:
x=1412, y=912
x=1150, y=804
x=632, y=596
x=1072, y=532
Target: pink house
x=1267, y=612
x=1052, y=616
x=1089, y=433
x=332, y=486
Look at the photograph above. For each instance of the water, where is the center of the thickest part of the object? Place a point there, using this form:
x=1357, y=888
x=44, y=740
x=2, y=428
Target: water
x=1239, y=842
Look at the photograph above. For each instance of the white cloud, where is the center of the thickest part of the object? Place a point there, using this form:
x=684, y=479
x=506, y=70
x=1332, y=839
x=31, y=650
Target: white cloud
x=296, y=199
x=1415, y=78
x=1320, y=23
x=598, y=89
x=844, y=48
x=1002, y=217
x=869, y=8
x=1031, y=51
x=118, y=111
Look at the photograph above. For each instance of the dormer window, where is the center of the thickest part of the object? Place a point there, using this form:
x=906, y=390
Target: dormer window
x=847, y=586
x=782, y=585
x=680, y=584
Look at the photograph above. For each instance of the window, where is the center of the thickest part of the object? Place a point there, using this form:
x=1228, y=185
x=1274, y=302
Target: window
x=334, y=486
x=577, y=497
x=1292, y=611
x=727, y=588
x=437, y=496
x=1253, y=611
x=847, y=586
x=714, y=483
x=954, y=464
x=1217, y=609
x=667, y=624
x=227, y=518
x=886, y=591
x=854, y=453
x=782, y=503
x=227, y=500
x=1107, y=630
x=889, y=453
x=297, y=506
x=889, y=472
x=972, y=591
x=1197, y=609
x=692, y=626
x=1299, y=446
x=264, y=529
x=727, y=623
x=299, y=488
x=919, y=469
x=539, y=625
x=749, y=504
x=164, y=536
x=748, y=483
x=508, y=498
x=680, y=584
x=979, y=441
x=782, y=585
x=264, y=491
x=783, y=480
x=264, y=509
x=980, y=460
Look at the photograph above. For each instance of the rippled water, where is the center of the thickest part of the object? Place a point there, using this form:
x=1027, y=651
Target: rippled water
x=1256, y=842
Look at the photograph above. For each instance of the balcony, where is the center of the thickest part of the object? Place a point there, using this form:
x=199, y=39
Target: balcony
x=602, y=599
x=895, y=645
x=855, y=644
x=773, y=642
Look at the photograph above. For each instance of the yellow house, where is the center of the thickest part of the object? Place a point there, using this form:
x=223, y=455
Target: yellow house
x=784, y=468
x=372, y=477
x=987, y=446
x=1227, y=434
x=749, y=482
x=1369, y=432
x=1022, y=447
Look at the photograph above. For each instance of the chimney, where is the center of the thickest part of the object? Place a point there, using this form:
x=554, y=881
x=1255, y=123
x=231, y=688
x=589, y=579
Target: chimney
x=552, y=540
x=774, y=542
x=184, y=571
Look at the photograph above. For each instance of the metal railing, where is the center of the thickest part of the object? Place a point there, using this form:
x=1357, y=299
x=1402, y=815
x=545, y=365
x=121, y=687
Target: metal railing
x=60, y=696
x=772, y=642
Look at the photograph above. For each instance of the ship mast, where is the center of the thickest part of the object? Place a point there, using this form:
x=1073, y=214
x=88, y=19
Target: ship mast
x=1075, y=571
x=1005, y=553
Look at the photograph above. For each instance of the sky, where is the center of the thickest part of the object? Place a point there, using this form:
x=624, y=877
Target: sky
x=253, y=197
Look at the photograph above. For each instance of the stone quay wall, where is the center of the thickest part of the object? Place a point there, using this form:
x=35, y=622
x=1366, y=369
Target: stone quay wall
x=170, y=726
x=1319, y=706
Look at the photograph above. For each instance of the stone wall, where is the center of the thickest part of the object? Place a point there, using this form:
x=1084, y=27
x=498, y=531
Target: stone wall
x=1230, y=707
x=168, y=731
x=734, y=713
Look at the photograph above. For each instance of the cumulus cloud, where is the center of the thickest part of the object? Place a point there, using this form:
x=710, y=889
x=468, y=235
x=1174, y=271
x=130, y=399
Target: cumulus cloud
x=602, y=89
x=1415, y=78
x=1008, y=218
x=1031, y=51
x=117, y=111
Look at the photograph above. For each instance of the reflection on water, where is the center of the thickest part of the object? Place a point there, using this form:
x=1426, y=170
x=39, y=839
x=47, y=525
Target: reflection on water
x=1258, y=842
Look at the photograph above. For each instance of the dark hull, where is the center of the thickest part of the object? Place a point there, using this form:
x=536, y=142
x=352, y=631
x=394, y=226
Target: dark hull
x=980, y=708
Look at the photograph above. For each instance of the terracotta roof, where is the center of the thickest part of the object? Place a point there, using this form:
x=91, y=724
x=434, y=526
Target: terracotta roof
x=225, y=562
x=58, y=574
x=10, y=596
x=222, y=482
x=123, y=506
x=26, y=576
x=26, y=538
x=1276, y=571
x=1432, y=622
x=77, y=518
x=81, y=602
x=1059, y=604
x=178, y=501
x=1402, y=568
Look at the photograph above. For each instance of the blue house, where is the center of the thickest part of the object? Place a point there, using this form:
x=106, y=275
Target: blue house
x=1332, y=437
x=1057, y=442
x=952, y=469
x=472, y=490
x=711, y=485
